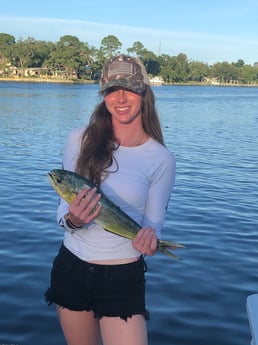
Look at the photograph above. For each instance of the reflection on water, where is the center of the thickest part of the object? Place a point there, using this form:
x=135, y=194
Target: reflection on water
x=213, y=210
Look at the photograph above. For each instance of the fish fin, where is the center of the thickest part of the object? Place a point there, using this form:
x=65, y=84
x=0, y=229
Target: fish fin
x=164, y=246
x=165, y=251
x=170, y=244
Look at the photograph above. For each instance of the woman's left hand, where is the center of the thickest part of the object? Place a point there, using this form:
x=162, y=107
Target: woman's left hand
x=146, y=241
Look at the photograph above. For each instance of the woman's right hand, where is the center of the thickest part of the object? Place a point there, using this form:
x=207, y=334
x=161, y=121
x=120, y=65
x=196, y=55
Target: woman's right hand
x=85, y=207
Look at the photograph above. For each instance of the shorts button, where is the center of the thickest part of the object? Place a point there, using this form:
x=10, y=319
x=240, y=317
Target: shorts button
x=91, y=269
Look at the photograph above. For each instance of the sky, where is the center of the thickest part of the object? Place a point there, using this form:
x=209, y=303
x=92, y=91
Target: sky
x=209, y=31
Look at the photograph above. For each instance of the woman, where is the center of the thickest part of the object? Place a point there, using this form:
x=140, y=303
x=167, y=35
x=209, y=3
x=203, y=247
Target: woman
x=97, y=279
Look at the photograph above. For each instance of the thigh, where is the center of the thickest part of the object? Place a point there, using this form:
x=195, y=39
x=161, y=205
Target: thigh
x=79, y=327
x=116, y=331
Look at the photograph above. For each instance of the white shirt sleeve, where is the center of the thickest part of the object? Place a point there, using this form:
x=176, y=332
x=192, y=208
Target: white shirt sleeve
x=159, y=193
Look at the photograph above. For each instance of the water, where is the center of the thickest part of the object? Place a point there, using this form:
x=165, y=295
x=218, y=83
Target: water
x=200, y=300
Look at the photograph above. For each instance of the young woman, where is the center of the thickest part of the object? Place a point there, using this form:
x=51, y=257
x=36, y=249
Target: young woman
x=97, y=279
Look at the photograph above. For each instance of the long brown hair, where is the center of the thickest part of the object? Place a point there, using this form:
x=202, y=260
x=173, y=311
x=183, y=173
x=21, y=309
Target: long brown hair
x=98, y=141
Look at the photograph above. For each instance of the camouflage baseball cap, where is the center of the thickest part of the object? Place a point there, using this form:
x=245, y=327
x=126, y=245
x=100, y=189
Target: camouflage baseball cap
x=124, y=71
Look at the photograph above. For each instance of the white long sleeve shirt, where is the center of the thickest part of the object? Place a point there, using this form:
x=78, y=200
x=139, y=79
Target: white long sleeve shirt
x=141, y=187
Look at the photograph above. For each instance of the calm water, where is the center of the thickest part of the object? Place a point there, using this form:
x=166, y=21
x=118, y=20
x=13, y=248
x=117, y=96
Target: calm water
x=200, y=300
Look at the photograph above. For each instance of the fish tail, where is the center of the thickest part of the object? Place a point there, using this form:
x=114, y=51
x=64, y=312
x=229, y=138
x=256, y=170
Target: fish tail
x=165, y=251
x=164, y=246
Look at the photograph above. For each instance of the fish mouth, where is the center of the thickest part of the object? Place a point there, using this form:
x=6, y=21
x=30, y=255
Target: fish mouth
x=50, y=176
x=55, y=179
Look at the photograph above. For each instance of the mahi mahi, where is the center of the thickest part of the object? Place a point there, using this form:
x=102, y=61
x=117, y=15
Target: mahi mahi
x=68, y=184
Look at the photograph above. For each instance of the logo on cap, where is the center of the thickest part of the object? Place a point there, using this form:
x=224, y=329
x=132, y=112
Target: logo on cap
x=124, y=71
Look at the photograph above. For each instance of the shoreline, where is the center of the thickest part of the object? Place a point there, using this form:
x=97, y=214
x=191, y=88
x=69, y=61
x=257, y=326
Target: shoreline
x=83, y=81
x=47, y=80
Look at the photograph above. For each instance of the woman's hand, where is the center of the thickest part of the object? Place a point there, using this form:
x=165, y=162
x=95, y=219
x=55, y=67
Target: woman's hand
x=146, y=241
x=85, y=207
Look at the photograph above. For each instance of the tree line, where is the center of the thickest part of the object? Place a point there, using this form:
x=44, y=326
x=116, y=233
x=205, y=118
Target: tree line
x=69, y=58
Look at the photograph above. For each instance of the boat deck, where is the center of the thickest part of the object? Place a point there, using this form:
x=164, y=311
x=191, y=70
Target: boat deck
x=252, y=312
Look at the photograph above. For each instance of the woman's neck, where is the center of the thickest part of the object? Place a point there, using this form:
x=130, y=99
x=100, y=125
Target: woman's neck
x=131, y=137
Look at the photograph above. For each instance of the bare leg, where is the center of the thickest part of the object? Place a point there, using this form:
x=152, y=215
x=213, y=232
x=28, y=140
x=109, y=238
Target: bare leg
x=116, y=331
x=79, y=327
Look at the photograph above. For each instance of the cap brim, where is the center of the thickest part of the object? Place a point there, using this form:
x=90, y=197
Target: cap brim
x=114, y=83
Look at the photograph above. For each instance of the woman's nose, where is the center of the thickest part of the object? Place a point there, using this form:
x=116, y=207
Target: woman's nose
x=121, y=95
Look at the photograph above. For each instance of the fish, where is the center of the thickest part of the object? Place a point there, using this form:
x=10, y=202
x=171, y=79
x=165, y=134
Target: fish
x=112, y=218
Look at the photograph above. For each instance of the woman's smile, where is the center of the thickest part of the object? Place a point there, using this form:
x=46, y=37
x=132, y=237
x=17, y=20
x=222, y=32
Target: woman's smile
x=122, y=109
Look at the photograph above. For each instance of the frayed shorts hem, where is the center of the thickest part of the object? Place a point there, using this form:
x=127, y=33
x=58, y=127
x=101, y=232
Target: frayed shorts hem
x=50, y=301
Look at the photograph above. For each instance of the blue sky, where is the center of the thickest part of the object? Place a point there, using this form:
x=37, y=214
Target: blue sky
x=205, y=30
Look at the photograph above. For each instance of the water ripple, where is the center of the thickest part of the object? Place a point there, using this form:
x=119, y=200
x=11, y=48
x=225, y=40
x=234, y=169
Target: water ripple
x=198, y=300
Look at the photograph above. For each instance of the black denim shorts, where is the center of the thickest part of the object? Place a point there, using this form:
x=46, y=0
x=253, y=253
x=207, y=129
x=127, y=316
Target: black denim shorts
x=107, y=290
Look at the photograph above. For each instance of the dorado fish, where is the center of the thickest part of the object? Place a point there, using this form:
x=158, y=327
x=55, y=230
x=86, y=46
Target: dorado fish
x=68, y=184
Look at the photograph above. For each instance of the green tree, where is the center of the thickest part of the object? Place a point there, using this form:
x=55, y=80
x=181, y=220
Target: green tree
x=25, y=53
x=69, y=56
x=198, y=71
x=239, y=63
x=41, y=51
x=137, y=49
x=225, y=72
x=181, y=68
x=72, y=58
x=110, y=46
x=248, y=74
x=6, y=41
x=167, y=67
x=150, y=62
x=148, y=58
